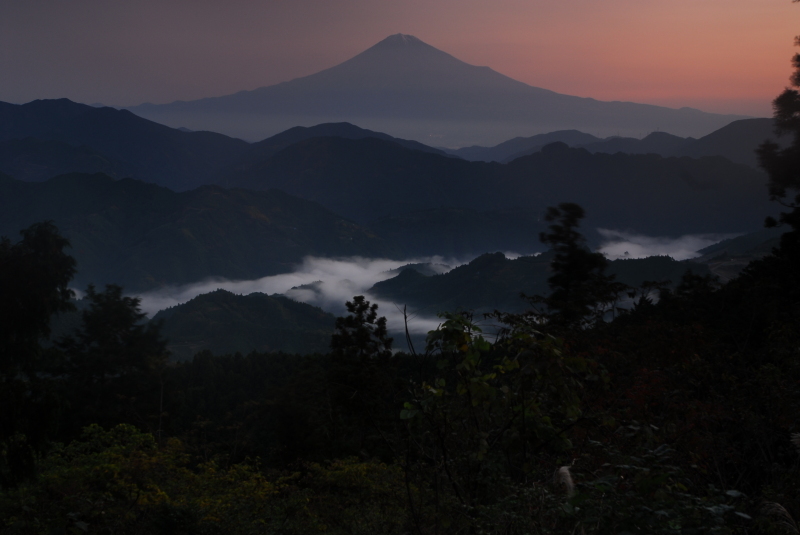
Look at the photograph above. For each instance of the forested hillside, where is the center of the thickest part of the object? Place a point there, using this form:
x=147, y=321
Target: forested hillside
x=144, y=236
x=678, y=416
x=371, y=179
x=222, y=322
x=494, y=282
x=150, y=151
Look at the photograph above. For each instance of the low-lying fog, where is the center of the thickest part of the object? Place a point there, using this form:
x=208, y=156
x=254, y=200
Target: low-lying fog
x=328, y=283
x=628, y=245
x=324, y=282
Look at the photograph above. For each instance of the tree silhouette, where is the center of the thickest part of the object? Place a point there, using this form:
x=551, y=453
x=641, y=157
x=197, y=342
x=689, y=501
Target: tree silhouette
x=783, y=165
x=113, y=358
x=361, y=334
x=34, y=274
x=579, y=283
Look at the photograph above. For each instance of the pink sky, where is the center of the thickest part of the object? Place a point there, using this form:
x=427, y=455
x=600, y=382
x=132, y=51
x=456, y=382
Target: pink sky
x=727, y=56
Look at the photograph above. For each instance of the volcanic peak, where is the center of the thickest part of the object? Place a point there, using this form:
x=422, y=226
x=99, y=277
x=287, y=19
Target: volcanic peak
x=399, y=40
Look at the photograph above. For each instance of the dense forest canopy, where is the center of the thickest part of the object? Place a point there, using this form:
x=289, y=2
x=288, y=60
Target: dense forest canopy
x=677, y=416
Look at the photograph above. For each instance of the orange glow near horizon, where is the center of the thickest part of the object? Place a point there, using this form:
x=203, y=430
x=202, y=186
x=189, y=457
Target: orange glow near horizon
x=728, y=56
x=715, y=55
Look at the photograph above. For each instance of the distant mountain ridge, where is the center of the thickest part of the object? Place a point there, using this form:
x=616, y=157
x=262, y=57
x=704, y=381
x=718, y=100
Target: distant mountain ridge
x=522, y=146
x=35, y=160
x=736, y=141
x=412, y=90
x=369, y=180
x=145, y=236
x=410, y=194
x=46, y=138
x=147, y=150
x=260, y=152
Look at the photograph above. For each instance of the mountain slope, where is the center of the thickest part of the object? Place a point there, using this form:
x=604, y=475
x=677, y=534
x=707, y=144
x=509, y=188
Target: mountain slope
x=144, y=236
x=654, y=143
x=365, y=179
x=148, y=151
x=32, y=159
x=522, y=146
x=494, y=282
x=260, y=152
x=736, y=141
x=412, y=90
x=224, y=323
x=369, y=180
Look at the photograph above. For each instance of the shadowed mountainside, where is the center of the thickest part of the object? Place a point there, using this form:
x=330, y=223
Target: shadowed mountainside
x=147, y=150
x=463, y=232
x=46, y=138
x=223, y=323
x=736, y=141
x=35, y=160
x=494, y=282
x=143, y=236
x=260, y=152
x=371, y=179
x=522, y=146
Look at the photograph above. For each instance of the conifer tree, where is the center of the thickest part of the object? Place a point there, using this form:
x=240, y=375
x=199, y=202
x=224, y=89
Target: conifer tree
x=579, y=284
x=783, y=164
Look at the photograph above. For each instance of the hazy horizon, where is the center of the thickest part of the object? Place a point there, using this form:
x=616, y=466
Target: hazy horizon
x=722, y=57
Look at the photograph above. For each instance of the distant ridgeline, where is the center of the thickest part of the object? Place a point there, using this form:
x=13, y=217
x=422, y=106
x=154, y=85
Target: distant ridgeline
x=736, y=142
x=368, y=176
x=371, y=194
x=144, y=236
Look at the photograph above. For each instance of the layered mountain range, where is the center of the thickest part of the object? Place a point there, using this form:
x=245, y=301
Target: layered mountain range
x=736, y=141
x=412, y=90
x=148, y=206
x=219, y=206
x=145, y=236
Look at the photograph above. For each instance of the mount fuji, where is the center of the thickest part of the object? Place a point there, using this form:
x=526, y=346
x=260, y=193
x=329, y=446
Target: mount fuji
x=410, y=89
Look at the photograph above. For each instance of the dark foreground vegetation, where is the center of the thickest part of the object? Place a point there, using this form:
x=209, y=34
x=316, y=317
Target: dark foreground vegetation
x=676, y=417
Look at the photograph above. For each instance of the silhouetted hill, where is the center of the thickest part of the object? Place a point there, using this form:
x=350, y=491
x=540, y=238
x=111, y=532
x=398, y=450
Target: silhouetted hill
x=261, y=151
x=736, y=141
x=143, y=236
x=343, y=130
x=728, y=258
x=365, y=179
x=494, y=282
x=371, y=179
x=225, y=323
x=643, y=192
x=462, y=232
x=655, y=143
x=34, y=159
x=148, y=151
x=521, y=146
x=410, y=89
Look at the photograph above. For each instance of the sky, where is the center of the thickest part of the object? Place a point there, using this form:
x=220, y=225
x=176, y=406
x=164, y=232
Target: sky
x=725, y=56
